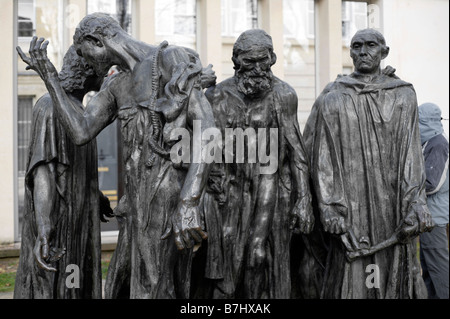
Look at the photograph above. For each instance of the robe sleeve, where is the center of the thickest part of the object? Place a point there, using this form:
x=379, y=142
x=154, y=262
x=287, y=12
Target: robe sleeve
x=412, y=187
x=327, y=170
x=48, y=143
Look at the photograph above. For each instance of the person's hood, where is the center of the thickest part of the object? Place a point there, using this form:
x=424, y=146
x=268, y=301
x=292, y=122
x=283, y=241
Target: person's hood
x=430, y=123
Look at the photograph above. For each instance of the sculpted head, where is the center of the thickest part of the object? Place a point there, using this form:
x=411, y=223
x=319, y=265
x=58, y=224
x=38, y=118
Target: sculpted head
x=253, y=57
x=367, y=49
x=94, y=39
x=77, y=75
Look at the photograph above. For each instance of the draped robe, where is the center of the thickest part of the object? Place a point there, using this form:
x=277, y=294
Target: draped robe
x=231, y=201
x=145, y=266
x=366, y=160
x=75, y=220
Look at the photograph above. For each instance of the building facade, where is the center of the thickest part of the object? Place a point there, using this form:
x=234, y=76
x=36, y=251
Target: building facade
x=311, y=39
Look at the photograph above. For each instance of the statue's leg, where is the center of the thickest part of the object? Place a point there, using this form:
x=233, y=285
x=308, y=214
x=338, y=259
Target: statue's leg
x=117, y=285
x=154, y=259
x=256, y=268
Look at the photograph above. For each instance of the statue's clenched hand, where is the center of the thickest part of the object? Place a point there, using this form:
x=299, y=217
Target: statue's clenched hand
x=302, y=218
x=333, y=220
x=187, y=226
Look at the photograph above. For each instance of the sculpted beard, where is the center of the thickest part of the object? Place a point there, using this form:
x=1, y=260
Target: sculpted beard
x=253, y=83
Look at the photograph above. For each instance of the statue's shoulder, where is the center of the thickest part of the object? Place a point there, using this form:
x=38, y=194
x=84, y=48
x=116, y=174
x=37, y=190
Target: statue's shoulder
x=44, y=105
x=285, y=97
x=284, y=89
x=221, y=89
x=171, y=55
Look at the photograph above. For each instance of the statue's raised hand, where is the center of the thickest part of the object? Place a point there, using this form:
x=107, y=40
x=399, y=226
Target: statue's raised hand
x=187, y=226
x=38, y=60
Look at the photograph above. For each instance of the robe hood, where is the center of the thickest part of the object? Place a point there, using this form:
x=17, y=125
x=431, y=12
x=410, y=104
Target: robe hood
x=429, y=121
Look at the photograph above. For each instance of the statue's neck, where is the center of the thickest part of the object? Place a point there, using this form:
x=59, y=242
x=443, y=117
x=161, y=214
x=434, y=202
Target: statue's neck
x=366, y=77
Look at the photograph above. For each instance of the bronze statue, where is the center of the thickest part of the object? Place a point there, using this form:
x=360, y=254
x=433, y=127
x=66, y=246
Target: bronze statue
x=367, y=170
x=249, y=212
x=157, y=90
x=63, y=203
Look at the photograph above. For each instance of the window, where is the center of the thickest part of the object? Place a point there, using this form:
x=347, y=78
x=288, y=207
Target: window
x=175, y=17
x=26, y=18
x=185, y=17
x=24, y=117
x=176, y=22
x=238, y=16
x=298, y=18
x=120, y=10
x=354, y=18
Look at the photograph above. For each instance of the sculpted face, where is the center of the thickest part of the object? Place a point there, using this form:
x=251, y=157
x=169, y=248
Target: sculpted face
x=97, y=55
x=256, y=60
x=367, y=51
x=254, y=74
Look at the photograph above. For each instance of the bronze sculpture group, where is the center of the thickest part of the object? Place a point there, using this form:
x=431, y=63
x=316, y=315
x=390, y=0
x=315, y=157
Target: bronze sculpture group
x=346, y=195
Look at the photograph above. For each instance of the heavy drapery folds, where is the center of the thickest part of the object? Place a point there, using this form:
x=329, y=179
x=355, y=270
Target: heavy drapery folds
x=367, y=169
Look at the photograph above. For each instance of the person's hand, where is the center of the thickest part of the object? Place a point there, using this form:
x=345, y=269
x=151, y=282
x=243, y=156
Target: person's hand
x=302, y=217
x=41, y=251
x=38, y=60
x=332, y=218
x=187, y=226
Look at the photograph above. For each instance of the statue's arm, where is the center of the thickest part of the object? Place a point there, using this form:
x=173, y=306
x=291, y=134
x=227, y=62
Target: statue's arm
x=187, y=221
x=188, y=224
x=302, y=214
x=198, y=173
x=81, y=126
x=417, y=218
x=326, y=170
x=44, y=198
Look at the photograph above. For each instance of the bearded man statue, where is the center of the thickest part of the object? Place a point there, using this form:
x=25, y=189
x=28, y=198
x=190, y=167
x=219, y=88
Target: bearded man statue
x=250, y=211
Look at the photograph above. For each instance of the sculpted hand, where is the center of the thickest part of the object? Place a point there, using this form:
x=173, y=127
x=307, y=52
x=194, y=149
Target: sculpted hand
x=38, y=59
x=302, y=218
x=187, y=226
x=332, y=219
x=416, y=222
x=41, y=251
x=208, y=77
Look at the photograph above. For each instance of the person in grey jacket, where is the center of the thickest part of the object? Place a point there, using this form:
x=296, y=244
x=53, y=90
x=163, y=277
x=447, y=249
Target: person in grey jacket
x=434, y=245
